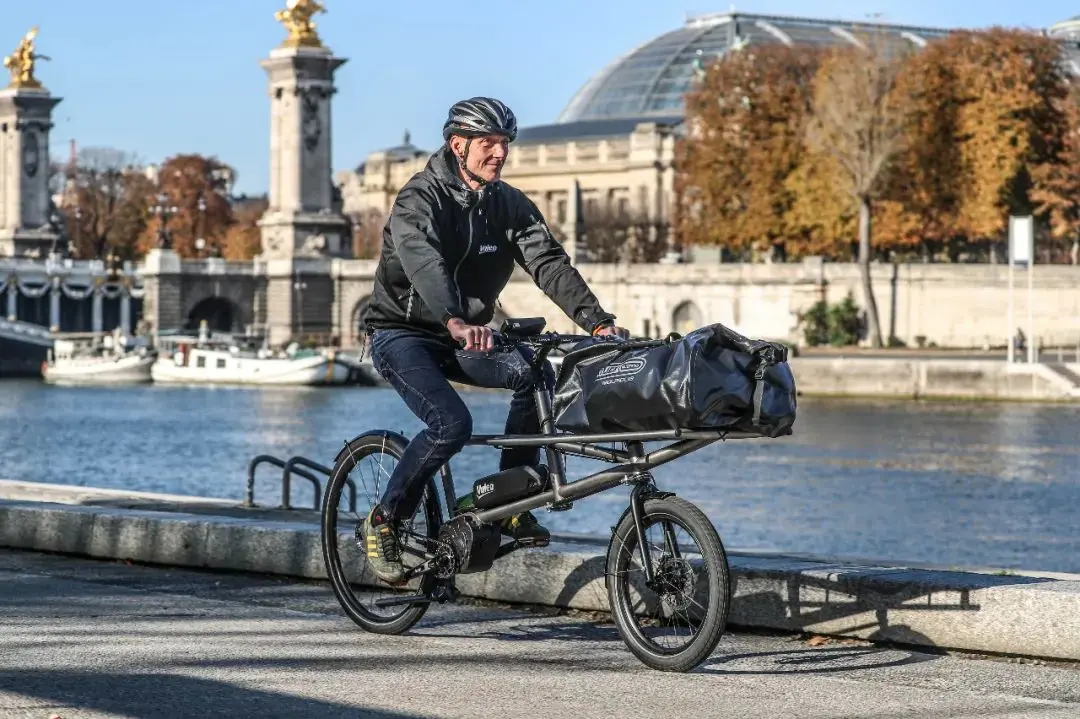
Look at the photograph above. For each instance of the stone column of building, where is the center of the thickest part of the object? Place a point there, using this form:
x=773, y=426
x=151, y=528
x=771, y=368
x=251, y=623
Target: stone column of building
x=301, y=231
x=25, y=120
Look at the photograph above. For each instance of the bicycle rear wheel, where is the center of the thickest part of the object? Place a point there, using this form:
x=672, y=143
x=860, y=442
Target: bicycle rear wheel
x=690, y=592
x=367, y=463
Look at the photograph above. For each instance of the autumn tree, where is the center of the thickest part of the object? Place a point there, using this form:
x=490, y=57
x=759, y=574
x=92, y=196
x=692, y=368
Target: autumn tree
x=1057, y=184
x=1011, y=122
x=105, y=205
x=367, y=233
x=612, y=234
x=746, y=120
x=196, y=187
x=920, y=202
x=858, y=122
x=243, y=238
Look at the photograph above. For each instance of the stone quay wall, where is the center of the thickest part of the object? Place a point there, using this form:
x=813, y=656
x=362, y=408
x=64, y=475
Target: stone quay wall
x=950, y=305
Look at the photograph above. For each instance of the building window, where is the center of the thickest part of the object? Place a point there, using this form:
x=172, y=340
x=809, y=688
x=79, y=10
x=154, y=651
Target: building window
x=560, y=211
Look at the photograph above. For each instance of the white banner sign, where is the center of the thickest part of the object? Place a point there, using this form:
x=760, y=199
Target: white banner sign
x=1021, y=240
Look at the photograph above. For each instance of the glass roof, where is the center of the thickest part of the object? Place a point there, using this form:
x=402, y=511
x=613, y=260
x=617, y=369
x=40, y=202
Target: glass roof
x=650, y=80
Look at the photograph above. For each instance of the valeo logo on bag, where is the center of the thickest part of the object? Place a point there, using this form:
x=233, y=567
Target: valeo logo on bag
x=621, y=372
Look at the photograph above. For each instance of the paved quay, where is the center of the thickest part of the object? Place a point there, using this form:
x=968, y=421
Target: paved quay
x=1003, y=613
x=86, y=639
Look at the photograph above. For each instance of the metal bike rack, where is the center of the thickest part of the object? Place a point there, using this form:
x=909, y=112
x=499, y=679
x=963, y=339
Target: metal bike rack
x=290, y=467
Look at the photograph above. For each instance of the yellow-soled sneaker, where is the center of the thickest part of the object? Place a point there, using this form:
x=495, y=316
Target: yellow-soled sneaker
x=382, y=547
x=526, y=530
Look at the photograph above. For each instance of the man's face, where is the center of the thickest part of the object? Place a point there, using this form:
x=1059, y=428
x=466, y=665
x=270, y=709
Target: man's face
x=487, y=155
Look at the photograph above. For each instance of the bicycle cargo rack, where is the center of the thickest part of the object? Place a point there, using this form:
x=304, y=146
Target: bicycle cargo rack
x=299, y=466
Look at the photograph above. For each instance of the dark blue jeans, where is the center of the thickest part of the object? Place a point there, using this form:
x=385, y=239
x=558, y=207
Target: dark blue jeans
x=420, y=367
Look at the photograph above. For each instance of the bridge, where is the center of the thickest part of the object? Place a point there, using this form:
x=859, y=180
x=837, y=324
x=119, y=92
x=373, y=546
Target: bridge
x=323, y=299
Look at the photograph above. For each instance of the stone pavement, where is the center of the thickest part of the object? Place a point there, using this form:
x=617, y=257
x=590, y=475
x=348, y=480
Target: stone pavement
x=84, y=639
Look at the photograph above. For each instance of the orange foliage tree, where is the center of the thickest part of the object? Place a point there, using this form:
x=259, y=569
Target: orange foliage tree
x=1011, y=123
x=1057, y=184
x=104, y=204
x=746, y=119
x=243, y=239
x=979, y=126
x=193, y=189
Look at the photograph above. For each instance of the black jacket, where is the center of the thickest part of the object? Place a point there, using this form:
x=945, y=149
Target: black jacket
x=449, y=251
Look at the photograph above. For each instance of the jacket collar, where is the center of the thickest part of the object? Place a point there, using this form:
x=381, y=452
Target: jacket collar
x=444, y=168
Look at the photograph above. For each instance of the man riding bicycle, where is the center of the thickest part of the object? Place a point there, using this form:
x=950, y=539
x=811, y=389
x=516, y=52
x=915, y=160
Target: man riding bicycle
x=449, y=247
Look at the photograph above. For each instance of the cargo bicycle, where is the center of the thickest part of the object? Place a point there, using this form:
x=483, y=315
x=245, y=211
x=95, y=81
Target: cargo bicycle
x=667, y=576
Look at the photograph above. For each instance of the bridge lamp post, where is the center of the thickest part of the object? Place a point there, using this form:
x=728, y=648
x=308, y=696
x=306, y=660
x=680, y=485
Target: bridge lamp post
x=73, y=243
x=200, y=242
x=164, y=211
x=299, y=286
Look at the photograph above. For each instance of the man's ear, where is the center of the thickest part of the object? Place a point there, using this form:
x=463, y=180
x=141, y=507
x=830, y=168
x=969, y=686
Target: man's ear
x=457, y=145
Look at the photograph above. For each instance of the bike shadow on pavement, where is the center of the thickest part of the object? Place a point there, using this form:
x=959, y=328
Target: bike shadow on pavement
x=813, y=660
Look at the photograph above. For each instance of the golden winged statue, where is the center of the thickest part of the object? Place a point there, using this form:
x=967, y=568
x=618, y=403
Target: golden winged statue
x=21, y=62
x=296, y=17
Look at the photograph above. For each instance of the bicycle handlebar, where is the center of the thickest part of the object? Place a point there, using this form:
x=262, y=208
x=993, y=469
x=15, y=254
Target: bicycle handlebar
x=552, y=340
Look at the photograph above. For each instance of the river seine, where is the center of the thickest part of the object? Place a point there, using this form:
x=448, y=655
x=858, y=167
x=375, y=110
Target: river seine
x=952, y=484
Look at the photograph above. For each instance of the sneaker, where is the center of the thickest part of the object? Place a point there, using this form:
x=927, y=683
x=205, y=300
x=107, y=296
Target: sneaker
x=382, y=547
x=526, y=530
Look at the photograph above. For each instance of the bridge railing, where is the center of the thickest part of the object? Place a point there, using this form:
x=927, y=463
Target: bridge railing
x=218, y=266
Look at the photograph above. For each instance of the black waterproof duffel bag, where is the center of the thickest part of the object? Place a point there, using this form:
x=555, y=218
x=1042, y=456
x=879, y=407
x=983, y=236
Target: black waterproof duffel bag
x=713, y=378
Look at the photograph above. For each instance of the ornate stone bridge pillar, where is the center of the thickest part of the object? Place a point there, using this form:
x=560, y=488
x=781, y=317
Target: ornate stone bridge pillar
x=163, y=300
x=26, y=108
x=301, y=229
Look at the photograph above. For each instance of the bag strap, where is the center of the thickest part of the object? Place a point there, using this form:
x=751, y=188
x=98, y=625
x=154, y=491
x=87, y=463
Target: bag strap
x=759, y=391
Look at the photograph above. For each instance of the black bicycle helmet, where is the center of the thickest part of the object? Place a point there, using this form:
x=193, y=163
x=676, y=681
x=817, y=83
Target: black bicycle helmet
x=480, y=116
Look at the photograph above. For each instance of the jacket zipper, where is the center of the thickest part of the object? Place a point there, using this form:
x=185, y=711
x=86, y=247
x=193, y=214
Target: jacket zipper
x=408, y=307
x=468, y=248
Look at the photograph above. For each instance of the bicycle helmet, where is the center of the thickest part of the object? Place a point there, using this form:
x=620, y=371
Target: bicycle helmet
x=480, y=116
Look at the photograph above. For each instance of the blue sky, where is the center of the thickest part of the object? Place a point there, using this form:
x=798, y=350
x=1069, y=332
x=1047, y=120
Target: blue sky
x=157, y=77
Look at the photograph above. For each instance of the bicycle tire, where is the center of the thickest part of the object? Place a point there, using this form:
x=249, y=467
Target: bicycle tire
x=357, y=449
x=714, y=559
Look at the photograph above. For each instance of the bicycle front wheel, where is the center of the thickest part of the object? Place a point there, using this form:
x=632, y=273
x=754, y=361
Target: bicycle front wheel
x=674, y=622
x=355, y=486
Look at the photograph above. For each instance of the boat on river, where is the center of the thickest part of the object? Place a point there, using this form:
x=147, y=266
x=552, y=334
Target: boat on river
x=93, y=358
x=226, y=360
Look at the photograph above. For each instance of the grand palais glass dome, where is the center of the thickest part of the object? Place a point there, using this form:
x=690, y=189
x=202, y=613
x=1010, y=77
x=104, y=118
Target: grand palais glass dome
x=651, y=80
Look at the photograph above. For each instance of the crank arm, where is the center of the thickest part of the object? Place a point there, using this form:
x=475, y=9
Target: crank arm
x=398, y=601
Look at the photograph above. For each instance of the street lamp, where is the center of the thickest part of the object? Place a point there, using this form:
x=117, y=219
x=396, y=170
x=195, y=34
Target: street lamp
x=59, y=232
x=200, y=243
x=299, y=286
x=73, y=243
x=164, y=211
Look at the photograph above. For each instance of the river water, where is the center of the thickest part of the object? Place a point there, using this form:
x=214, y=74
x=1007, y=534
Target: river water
x=953, y=484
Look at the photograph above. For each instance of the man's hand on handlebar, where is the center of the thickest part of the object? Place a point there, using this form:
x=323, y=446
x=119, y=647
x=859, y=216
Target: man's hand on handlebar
x=613, y=331
x=473, y=338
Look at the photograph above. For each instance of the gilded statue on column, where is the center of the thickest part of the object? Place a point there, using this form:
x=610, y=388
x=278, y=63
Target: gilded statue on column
x=21, y=62
x=296, y=17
